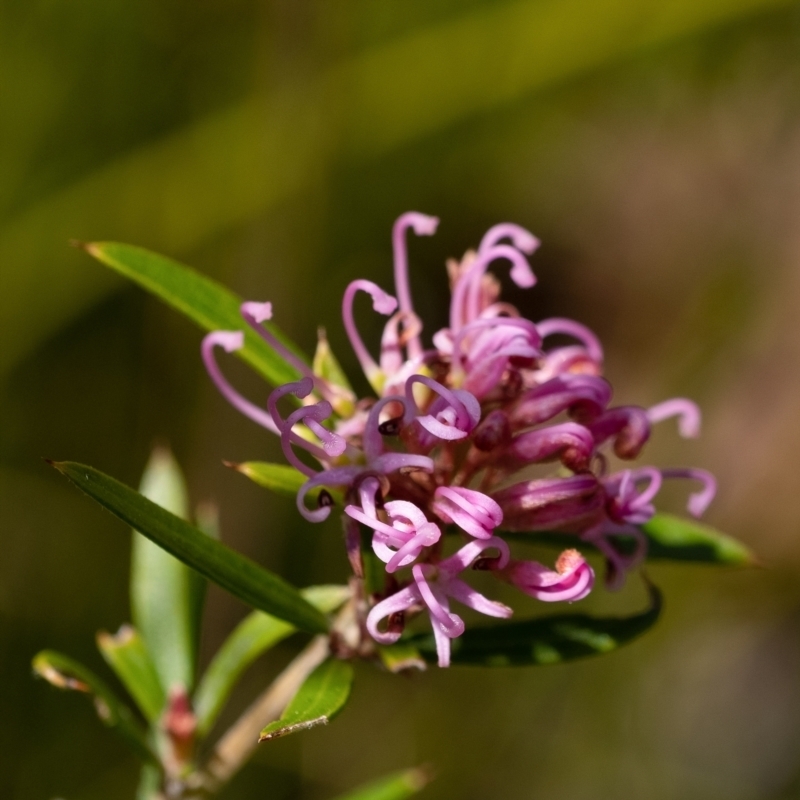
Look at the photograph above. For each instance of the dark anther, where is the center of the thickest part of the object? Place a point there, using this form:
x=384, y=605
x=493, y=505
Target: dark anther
x=325, y=500
x=391, y=427
x=396, y=623
x=486, y=563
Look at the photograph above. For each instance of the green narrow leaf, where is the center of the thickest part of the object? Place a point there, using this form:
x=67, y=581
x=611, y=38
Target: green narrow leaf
x=149, y=783
x=669, y=538
x=254, y=635
x=326, y=365
x=234, y=572
x=65, y=673
x=280, y=478
x=204, y=301
x=207, y=521
x=126, y=653
x=320, y=698
x=162, y=588
x=547, y=640
x=398, y=786
x=682, y=539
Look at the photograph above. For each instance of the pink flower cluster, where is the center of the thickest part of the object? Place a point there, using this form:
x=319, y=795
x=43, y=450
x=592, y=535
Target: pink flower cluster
x=440, y=446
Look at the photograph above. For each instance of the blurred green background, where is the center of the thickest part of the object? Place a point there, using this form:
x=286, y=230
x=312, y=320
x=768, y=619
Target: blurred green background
x=655, y=149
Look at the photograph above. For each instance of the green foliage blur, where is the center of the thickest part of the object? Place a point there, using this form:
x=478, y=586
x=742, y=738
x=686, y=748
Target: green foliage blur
x=654, y=148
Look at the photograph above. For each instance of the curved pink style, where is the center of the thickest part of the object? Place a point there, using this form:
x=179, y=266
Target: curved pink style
x=422, y=225
x=568, y=327
x=521, y=238
x=686, y=411
x=384, y=304
x=230, y=341
x=255, y=314
x=571, y=580
x=453, y=415
x=698, y=501
x=466, y=293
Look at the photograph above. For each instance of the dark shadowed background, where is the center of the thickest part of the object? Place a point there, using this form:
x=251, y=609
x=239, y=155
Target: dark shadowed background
x=654, y=148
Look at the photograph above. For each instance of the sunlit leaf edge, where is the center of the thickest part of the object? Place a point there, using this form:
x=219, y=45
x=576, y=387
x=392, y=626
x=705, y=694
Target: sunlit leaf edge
x=126, y=654
x=397, y=786
x=669, y=538
x=321, y=697
x=205, y=301
x=252, y=637
x=65, y=673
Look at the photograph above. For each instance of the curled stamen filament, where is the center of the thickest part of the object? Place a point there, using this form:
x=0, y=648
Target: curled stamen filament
x=522, y=239
x=548, y=327
x=698, y=501
x=255, y=314
x=524, y=326
x=383, y=303
x=635, y=507
x=469, y=284
x=394, y=339
x=456, y=421
x=409, y=532
x=422, y=225
x=230, y=341
x=332, y=444
x=373, y=440
x=685, y=410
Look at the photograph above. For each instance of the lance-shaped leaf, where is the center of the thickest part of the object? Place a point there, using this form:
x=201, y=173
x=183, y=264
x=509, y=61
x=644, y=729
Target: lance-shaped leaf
x=162, y=588
x=397, y=786
x=65, y=673
x=547, y=640
x=280, y=478
x=126, y=653
x=234, y=572
x=206, y=518
x=669, y=538
x=204, y=301
x=149, y=783
x=254, y=635
x=326, y=365
x=681, y=539
x=319, y=699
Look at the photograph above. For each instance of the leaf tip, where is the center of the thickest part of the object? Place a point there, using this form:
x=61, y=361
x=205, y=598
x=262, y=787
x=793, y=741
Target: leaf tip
x=122, y=637
x=275, y=732
x=94, y=249
x=44, y=667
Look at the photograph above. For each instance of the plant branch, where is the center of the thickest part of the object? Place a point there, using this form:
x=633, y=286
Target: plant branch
x=241, y=739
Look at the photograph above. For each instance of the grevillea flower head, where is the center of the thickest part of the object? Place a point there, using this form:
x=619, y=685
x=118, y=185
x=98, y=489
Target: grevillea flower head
x=437, y=455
